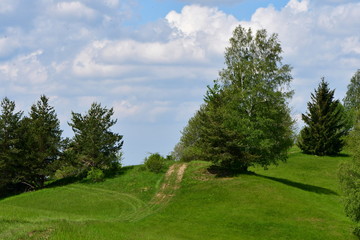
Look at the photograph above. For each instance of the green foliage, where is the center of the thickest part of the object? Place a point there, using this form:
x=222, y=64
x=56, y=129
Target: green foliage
x=352, y=98
x=245, y=119
x=155, y=163
x=326, y=123
x=10, y=146
x=66, y=171
x=296, y=201
x=95, y=175
x=41, y=142
x=94, y=144
x=349, y=175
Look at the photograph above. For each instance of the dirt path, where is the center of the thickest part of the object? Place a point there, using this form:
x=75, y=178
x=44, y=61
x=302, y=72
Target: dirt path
x=173, y=178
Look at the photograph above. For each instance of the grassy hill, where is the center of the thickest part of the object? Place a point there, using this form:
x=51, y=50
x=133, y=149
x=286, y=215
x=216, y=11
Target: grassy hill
x=296, y=200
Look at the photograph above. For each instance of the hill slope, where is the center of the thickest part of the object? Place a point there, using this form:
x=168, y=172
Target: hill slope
x=296, y=200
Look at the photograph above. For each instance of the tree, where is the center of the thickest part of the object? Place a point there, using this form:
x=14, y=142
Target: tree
x=41, y=142
x=325, y=123
x=245, y=119
x=349, y=176
x=9, y=142
x=352, y=98
x=94, y=144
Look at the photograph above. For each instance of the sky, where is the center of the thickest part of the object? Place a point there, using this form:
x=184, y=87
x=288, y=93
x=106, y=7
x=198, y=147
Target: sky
x=151, y=60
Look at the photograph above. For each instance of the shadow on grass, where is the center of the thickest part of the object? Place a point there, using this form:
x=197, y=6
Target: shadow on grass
x=82, y=178
x=16, y=189
x=302, y=186
x=221, y=172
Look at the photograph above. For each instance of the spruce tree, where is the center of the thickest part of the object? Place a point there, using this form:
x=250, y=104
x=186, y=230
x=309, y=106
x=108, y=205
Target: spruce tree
x=94, y=145
x=325, y=123
x=41, y=143
x=10, y=147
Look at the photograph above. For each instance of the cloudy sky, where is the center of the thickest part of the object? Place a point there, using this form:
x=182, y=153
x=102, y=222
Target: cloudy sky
x=151, y=60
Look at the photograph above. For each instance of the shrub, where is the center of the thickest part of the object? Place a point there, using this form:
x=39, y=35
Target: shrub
x=154, y=163
x=66, y=171
x=95, y=175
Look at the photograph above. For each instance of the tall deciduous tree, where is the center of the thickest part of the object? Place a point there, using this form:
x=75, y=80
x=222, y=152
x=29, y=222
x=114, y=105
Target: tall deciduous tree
x=325, y=123
x=94, y=144
x=349, y=176
x=9, y=142
x=245, y=119
x=352, y=98
x=42, y=143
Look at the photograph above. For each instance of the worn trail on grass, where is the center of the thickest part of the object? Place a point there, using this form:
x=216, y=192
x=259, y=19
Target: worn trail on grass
x=126, y=207
x=173, y=178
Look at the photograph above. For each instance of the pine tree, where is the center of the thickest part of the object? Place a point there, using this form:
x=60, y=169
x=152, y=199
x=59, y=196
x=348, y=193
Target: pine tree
x=10, y=148
x=325, y=123
x=41, y=142
x=94, y=145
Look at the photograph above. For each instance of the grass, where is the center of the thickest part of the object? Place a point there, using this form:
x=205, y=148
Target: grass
x=296, y=200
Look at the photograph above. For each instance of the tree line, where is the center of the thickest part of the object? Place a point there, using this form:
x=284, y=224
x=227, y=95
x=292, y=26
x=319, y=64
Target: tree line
x=245, y=119
x=32, y=148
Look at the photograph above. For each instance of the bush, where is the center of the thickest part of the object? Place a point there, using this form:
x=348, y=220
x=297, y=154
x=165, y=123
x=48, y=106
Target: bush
x=154, y=163
x=95, y=175
x=349, y=176
x=357, y=232
x=66, y=171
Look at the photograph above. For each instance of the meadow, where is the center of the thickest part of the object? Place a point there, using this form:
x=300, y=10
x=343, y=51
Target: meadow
x=299, y=199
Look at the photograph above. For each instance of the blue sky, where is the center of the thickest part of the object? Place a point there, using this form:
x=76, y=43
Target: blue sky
x=152, y=60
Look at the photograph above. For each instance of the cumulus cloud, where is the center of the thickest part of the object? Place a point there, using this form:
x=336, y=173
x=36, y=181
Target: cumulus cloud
x=196, y=39
x=80, y=51
x=73, y=10
x=318, y=40
x=25, y=69
x=213, y=2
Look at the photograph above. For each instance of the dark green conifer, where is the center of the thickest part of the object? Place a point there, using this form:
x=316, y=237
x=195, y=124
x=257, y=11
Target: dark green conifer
x=9, y=142
x=94, y=144
x=325, y=123
x=41, y=143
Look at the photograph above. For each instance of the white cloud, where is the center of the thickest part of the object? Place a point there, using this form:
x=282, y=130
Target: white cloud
x=298, y=6
x=8, y=45
x=351, y=45
x=319, y=40
x=112, y=3
x=213, y=2
x=74, y=10
x=25, y=69
x=137, y=111
x=125, y=108
x=195, y=42
x=340, y=19
x=210, y=27
x=158, y=72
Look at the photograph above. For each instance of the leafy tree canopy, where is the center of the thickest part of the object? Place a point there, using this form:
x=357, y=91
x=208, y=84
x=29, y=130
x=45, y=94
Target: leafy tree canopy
x=352, y=98
x=349, y=176
x=245, y=119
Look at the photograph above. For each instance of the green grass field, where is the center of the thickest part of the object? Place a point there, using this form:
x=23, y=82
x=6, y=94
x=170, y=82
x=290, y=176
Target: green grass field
x=299, y=199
